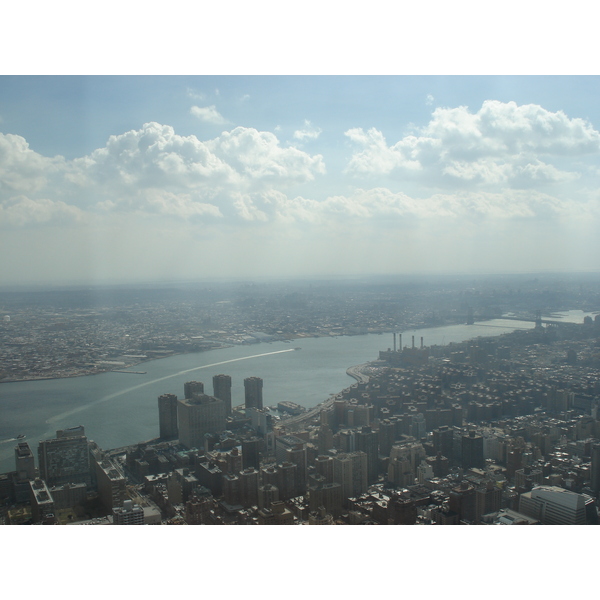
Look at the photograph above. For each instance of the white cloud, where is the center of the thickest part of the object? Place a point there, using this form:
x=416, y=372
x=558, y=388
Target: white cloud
x=309, y=132
x=153, y=170
x=502, y=143
x=195, y=95
x=429, y=100
x=257, y=155
x=20, y=211
x=21, y=169
x=208, y=114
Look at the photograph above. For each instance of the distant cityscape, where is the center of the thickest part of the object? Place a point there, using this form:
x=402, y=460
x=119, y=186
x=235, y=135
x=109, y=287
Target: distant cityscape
x=493, y=430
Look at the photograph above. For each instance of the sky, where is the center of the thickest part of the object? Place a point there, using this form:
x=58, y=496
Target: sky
x=152, y=178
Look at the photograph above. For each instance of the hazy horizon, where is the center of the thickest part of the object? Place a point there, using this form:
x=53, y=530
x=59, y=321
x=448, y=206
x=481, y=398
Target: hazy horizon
x=138, y=179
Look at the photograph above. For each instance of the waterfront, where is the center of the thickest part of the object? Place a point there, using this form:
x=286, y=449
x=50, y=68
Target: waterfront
x=118, y=408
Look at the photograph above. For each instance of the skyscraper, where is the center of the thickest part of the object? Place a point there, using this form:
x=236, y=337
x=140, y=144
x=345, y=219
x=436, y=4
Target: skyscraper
x=367, y=442
x=24, y=461
x=251, y=453
x=253, y=392
x=197, y=416
x=472, y=451
x=65, y=459
x=222, y=390
x=193, y=388
x=350, y=471
x=167, y=416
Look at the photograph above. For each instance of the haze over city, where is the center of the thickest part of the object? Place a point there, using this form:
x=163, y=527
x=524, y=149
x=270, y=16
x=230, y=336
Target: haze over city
x=120, y=179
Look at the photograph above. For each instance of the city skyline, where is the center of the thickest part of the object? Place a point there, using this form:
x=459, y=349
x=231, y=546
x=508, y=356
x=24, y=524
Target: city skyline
x=157, y=178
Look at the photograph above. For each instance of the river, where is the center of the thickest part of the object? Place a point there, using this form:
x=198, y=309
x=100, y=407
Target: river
x=118, y=409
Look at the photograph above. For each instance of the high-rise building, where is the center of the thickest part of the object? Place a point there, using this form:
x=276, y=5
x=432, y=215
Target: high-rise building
x=297, y=456
x=42, y=503
x=324, y=467
x=65, y=459
x=193, y=388
x=553, y=505
x=350, y=471
x=231, y=489
x=222, y=391
x=367, y=442
x=111, y=482
x=128, y=514
x=249, y=487
x=488, y=499
x=472, y=451
x=266, y=494
x=463, y=501
x=253, y=394
x=251, y=453
x=286, y=480
x=198, y=416
x=283, y=443
x=443, y=441
x=24, y=461
x=167, y=416
x=327, y=495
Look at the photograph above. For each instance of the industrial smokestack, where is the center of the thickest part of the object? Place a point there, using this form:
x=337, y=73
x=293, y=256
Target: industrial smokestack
x=394, y=342
x=421, y=343
x=413, y=341
x=400, y=342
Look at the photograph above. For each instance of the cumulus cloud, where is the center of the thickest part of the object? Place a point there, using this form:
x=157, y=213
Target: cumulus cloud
x=429, y=99
x=208, y=114
x=259, y=156
x=21, y=169
x=154, y=169
x=502, y=143
x=20, y=211
x=308, y=132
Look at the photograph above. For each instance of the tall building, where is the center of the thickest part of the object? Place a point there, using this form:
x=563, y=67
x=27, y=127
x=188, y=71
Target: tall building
x=24, y=461
x=198, y=416
x=167, y=416
x=231, y=489
x=286, y=480
x=193, y=388
x=327, y=495
x=111, y=483
x=463, y=501
x=472, y=451
x=65, y=459
x=222, y=391
x=249, y=487
x=324, y=467
x=266, y=494
x=350, y=471
x=367, y=442
x=297, y=456
x=488, y=499
x=253, y=394
x=251, y=453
